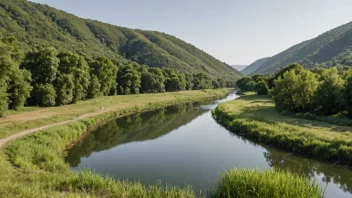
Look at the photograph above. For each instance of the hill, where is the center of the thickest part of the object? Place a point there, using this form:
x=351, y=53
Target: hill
x=239, y=67
x=36, y=25
x=320, y=51
x=254, y=66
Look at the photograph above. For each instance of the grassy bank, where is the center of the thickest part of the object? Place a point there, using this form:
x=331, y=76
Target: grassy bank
x=270, y=183
x=255, y=117
x=32, y=117
x=34, y=166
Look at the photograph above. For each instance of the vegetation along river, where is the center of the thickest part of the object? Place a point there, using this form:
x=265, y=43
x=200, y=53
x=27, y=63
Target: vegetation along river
x=183, y=145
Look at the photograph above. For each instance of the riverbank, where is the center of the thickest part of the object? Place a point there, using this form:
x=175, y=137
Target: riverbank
x=255, y=117
x=34, y=166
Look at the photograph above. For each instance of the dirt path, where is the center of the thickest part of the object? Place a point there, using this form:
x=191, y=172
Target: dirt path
x=29, y=131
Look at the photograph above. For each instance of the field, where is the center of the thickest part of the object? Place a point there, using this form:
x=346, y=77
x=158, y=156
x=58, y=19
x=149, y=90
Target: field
x=255, y=117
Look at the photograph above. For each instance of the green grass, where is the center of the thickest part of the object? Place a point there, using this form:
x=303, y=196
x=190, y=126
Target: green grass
x=255, y=117
x=268, y=184
x=31, y=117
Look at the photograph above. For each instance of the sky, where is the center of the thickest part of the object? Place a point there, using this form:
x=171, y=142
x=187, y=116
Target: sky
x=233, y=31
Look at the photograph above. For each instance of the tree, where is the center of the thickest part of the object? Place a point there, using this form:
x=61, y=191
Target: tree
x=45, y=95
x=295, y=90
x=64, y=89
x=245, y=83
x=261, y=88
x=347, y=94
x=296, y=67
x=216, y=84
x=222, y=82
x=174, y=81
x=43, y=64
x=75, y=65
x=19, y=89
x=201, y=81
x=329, y=94
x=94, y=87
x=106, y=73
x=129, y=80
x=189, y=81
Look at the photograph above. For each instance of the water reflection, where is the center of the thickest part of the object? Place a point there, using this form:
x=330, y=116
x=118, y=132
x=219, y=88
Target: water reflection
x=134, y=128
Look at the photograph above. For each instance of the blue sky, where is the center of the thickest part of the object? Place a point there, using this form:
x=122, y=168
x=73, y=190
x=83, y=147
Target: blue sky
x=234, y=31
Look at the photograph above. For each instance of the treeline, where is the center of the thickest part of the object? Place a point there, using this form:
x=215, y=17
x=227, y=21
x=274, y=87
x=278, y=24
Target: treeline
x=295, y=89
x=47, y=77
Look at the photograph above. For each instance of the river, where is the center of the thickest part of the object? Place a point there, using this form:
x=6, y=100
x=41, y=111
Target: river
x=183, y=145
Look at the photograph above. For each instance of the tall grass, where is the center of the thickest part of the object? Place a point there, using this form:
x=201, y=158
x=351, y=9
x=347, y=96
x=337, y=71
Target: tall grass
x=268, y=184
x=255, y=117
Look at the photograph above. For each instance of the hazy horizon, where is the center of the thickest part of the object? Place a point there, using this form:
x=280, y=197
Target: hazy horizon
x=235, y=32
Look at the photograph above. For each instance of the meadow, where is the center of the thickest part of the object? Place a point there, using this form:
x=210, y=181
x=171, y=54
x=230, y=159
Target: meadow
x=255, y=117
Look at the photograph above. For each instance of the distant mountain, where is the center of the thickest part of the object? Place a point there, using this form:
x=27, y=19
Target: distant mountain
x=238, y=67
x=254, y=66
x=37, y=25
x=315, y=52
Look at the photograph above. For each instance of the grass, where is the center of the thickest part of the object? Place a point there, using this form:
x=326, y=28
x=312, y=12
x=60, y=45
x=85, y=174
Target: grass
x=255, y=117
x=34, y=117
x=270, y=183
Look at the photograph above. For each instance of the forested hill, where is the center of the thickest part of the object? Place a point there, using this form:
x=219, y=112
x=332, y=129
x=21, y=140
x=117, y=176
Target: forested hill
x=329, y=49
x=36, y=25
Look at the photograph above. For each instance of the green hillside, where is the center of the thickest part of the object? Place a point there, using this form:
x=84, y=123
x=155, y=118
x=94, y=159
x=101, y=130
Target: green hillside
x=320, y=51
x=254, y=66
x=36, y=25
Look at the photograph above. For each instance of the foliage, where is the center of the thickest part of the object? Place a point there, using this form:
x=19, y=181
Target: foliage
x=347, y=93
x=329, y=94
x=45, y=95
x=261, y=88
x=295, y=90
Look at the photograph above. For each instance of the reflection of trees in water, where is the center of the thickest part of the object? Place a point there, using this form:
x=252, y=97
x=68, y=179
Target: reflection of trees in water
x=137, y=127
x=339, y=175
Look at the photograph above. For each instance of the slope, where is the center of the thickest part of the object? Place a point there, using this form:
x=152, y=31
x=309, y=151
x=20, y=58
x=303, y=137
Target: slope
x=254, y=66
x=309, y=53
x=36, y=25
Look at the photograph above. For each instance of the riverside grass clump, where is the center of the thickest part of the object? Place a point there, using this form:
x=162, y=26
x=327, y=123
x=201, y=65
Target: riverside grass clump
x=34, y=165
x=268, y=184
x=255, y=117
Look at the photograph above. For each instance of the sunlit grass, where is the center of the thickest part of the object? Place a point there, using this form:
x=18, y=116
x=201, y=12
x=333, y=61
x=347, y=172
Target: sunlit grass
x=268, y=184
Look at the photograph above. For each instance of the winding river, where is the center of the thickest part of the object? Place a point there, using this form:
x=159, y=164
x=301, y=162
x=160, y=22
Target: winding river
x=183, y=145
